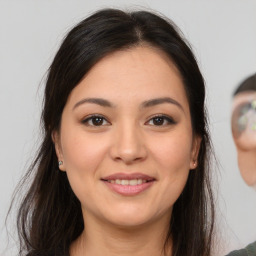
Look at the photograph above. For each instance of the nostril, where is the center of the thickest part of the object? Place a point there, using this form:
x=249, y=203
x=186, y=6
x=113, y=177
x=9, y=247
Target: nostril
x=128, y=149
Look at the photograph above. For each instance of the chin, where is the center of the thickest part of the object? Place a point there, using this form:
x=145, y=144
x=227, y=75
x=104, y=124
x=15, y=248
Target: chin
x=128, y=219
x=128, y=224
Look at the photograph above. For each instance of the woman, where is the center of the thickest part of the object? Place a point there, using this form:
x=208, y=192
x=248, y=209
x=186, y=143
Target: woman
x=123, y=165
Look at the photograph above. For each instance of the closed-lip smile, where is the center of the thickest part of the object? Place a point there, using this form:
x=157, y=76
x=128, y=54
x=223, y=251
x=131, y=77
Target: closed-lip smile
x=128, y=184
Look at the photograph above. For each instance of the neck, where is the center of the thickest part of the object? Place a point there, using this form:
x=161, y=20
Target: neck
x=105, y=239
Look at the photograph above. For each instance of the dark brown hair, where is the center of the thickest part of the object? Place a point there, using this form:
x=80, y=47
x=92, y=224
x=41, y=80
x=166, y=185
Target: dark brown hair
x=50, y=215
x=249, y=84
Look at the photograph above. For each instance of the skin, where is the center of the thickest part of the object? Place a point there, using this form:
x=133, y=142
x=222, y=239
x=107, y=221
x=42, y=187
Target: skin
x=127, y=141
x=245, y=141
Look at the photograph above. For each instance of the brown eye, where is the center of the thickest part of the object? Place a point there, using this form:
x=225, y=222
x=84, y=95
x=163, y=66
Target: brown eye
x=95, y=121
x=161, y=121
x=158, y=120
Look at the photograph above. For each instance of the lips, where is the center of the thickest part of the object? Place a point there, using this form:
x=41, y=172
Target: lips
x=131, y=176
x=128, y=184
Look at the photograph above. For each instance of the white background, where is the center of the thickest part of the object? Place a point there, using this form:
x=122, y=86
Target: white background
x=223, y=36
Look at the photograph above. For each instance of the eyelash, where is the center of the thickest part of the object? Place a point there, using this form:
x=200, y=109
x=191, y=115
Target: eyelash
x=94, y=117
x=164, y=120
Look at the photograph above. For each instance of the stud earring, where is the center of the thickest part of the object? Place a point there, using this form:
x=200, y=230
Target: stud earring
x=60, y=163
x=194, y=163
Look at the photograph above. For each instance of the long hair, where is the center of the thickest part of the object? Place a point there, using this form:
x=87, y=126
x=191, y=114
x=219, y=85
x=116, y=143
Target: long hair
x=50, y=216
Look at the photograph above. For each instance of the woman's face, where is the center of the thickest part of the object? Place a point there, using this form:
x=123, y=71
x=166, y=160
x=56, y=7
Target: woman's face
x=126, y=138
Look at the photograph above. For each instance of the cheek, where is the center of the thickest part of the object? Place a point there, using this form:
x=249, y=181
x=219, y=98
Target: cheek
x=172, y=158
x=173, y=154
x=82, y=156
x=82, y=153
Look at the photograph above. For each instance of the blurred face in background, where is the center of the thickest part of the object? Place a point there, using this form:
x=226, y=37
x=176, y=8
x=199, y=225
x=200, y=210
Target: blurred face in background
x=244, y=133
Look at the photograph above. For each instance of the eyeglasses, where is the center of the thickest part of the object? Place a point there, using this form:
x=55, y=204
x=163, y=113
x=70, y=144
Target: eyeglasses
x=244, y=117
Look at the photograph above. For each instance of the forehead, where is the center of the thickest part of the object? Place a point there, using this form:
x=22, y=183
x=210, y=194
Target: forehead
x=144, y=60
x=133, y=73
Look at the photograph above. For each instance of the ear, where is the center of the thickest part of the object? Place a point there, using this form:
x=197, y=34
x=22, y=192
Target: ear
x=58, y=150
x=195, y=151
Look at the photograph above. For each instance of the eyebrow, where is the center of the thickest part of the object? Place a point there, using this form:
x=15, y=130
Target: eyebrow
x=157, y=101
x=145, y=104
x=98, y=101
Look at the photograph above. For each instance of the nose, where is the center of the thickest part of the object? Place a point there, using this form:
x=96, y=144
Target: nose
x=128, y=145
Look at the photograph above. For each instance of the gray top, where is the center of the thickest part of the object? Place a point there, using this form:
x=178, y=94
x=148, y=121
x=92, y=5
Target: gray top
x=249, y=250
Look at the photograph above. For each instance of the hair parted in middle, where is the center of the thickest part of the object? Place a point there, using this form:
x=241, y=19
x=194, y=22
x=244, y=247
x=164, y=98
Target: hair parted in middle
x=50, y=216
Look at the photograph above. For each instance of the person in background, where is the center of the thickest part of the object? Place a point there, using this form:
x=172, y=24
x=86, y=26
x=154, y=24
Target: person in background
x=243, y=124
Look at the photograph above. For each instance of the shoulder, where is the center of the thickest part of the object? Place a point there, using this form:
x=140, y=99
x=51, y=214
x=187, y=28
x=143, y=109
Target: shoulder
x=249, y=250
